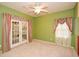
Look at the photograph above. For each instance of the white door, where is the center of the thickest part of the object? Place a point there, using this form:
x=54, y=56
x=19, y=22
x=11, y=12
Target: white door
x=19, y=32
x=24, y=31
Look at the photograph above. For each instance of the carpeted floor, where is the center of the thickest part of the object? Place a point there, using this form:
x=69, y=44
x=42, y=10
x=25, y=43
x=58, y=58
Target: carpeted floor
x=38, y=48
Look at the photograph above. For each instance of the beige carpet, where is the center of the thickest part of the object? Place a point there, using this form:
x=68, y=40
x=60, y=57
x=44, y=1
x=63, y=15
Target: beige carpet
x=38, y=48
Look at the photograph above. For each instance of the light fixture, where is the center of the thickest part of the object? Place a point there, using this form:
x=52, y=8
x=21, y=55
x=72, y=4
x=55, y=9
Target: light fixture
x=37, y=9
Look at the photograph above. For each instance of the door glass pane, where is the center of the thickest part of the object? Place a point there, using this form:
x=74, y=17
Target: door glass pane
x=15, y=32
x=24, y=31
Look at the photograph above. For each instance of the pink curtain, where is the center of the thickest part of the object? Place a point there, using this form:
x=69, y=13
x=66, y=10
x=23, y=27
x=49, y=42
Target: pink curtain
x=30, y=30
x=6, y=26
x=69, y=22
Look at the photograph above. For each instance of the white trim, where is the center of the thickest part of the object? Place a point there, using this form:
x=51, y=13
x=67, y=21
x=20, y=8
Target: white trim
x=20, y=32
x=45, y=41
x=53, y=43
x=27, y=33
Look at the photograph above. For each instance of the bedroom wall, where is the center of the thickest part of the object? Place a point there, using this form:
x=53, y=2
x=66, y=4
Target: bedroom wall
x=4, y=9
x=44, y=25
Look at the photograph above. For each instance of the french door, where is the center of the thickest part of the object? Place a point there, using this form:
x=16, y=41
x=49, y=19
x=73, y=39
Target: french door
x=19, y=32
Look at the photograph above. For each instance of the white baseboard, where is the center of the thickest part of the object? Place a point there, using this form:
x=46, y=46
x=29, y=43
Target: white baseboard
x=45, y=41
x=53, y=43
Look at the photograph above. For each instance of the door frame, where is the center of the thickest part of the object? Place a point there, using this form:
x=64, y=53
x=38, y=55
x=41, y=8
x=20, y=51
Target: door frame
x=20, y=32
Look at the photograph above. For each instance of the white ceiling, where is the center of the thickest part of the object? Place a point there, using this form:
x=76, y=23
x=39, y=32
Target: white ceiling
x=52, y=6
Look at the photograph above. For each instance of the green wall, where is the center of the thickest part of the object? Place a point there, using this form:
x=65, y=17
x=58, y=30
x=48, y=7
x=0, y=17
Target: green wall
x=44, y=25
x=0, y=30
x=74, y=27
x=4, y=9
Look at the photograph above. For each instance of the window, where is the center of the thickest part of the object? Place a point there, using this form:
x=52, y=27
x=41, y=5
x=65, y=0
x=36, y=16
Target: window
x=62, y=31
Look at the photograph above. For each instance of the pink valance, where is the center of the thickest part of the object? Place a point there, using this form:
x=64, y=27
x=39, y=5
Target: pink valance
x=18, y=18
